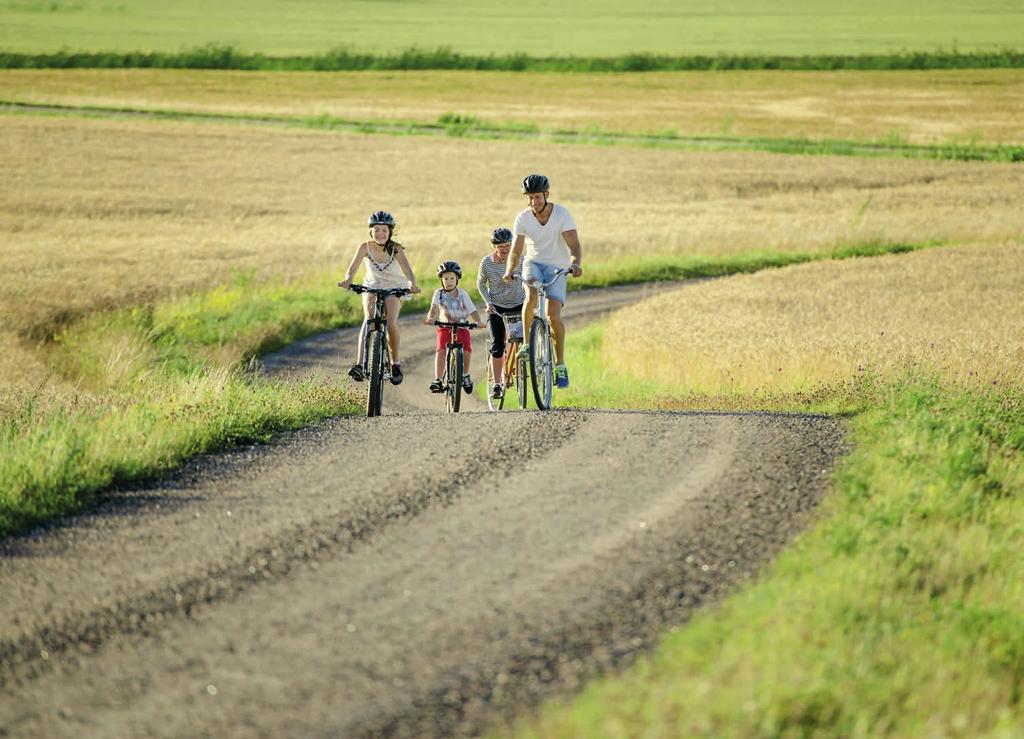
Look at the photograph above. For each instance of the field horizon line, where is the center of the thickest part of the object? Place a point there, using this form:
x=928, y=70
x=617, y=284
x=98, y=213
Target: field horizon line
x=225, y=56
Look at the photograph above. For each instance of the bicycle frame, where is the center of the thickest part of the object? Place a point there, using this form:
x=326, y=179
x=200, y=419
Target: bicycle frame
x=541, y=348
x=376, y=356
x=510, y=364
x=454, y=363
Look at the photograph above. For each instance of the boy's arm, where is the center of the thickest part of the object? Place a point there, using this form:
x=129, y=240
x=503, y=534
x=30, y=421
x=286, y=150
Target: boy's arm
x=435, y=308
x=353, y=265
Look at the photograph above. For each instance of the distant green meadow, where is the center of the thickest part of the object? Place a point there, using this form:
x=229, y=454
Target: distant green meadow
x=591, y=28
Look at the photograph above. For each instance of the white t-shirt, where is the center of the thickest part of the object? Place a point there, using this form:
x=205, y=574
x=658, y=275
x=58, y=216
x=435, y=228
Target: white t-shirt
x=455, y=308
x=545, y=244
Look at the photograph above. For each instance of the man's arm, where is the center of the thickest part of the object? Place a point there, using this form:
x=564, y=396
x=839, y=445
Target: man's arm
x=513, y=257
x=572, y=240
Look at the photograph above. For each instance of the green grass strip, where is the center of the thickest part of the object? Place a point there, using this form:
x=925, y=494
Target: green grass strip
x=218, y=56
x=464, y=126
x=900, y=613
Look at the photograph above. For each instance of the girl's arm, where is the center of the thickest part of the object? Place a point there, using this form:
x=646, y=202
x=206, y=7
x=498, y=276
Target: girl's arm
x=403, y=262
x=354, y=265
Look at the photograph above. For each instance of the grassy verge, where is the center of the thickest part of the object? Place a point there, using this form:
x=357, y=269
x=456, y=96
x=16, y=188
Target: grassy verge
x=901, y=613
x=466, y=126
x=158, y=384
x=217, y=56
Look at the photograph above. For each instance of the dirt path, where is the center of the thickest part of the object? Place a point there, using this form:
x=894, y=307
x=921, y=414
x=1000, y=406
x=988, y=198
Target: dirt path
x=415, y=574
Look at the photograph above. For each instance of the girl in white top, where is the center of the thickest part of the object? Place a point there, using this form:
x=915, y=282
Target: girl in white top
x=386, y=267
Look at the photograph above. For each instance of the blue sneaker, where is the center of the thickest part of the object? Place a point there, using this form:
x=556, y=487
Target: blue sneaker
x=561, y=376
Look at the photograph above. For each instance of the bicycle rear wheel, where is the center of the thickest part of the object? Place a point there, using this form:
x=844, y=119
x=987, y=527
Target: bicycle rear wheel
x=375, y=384
x=541, y=362
x=454, y=389
x=493, y=403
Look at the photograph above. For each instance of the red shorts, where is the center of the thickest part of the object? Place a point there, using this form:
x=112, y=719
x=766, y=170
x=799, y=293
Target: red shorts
x=444, y=336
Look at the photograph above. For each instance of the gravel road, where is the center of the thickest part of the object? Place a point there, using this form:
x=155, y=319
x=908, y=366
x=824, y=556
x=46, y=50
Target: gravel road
x=416, y=574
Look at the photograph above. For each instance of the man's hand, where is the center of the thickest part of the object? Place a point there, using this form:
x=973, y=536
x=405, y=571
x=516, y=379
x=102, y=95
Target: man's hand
x=577, y=270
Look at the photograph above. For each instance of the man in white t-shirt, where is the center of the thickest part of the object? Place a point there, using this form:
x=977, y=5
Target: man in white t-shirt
x=548, y=233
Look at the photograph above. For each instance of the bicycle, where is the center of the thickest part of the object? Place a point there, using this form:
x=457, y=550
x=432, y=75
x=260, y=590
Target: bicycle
x=514, y=365
x=453, y=362
x=376, y=357
x=540, y=349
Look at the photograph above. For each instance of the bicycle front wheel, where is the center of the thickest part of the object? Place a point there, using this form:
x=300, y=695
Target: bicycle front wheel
x=375, y=384
x=542, y=367
x=454, y=393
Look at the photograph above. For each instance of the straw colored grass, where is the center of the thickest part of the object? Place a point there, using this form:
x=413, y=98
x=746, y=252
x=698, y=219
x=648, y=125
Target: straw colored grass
x=98, y=214
x=899, y=107
x=952, y=312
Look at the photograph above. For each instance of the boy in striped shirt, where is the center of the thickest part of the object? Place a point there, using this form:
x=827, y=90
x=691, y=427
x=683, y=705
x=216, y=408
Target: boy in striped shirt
x=501, y=299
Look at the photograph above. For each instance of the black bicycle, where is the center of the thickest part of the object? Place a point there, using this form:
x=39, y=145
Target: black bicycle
x=376, y=357
x=453, y=363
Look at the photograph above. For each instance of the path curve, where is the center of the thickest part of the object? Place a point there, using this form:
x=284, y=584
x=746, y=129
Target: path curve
x=321, y=586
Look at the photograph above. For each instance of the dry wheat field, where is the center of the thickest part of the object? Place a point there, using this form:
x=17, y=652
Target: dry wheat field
x=950, y=312
x=916, y=107
x=99, y=213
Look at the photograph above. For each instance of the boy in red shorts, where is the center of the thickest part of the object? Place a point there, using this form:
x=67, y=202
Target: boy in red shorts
x=451, y=304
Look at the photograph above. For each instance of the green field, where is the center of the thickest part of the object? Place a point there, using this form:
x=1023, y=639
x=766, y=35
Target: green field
x=595, y=28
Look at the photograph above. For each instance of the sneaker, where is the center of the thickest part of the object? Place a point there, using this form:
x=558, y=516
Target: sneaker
x=497, y=391
x=356, y=372
x=396, y=374
x=467, y=383
x=436, y=386
x=561, y=376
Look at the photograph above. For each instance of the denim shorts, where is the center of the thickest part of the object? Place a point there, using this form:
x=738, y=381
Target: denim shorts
x=543, y=273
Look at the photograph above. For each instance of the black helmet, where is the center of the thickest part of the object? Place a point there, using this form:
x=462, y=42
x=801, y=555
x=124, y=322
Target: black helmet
x=501, y=236
x=381, y=218
x=449, y=266
x=536, y=183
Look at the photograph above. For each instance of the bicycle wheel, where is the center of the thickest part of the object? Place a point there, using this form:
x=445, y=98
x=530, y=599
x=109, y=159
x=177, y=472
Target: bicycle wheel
x=521, y=382
x=541, y=364
x=375, y=384
x=454, y=379
x=492, y=403
x=509, y=363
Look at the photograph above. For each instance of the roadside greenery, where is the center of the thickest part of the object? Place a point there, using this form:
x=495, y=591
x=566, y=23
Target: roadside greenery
x=220, y=56
x=899, y=613
x=161, y=383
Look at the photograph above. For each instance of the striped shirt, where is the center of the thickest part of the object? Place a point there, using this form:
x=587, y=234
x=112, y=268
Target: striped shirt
x=496, y=291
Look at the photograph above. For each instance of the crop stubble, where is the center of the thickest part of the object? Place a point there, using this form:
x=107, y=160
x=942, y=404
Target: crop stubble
x=951, y=312
x=921, y=107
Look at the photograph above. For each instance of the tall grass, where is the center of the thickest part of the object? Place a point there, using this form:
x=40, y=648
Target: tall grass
x=221, y=56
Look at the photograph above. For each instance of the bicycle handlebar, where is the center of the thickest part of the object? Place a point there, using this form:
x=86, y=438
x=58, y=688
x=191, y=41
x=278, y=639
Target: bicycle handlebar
x=395, y=291
x=549, y=283
x=456, y=324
